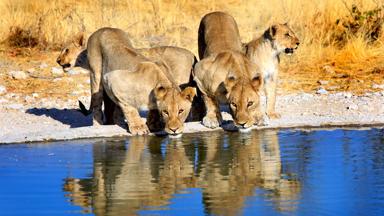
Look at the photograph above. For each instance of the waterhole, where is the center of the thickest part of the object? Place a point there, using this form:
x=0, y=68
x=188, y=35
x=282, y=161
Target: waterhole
x=270, y=172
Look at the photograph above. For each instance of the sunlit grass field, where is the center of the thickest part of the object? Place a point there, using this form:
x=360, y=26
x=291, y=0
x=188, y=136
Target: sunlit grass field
x=341, y=41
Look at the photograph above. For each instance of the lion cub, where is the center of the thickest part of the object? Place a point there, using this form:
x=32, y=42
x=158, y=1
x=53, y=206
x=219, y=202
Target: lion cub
x=265, y=51
x=225, y=75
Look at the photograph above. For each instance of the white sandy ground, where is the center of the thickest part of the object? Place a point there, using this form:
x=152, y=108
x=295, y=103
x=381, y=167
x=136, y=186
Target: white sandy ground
x=48, y=120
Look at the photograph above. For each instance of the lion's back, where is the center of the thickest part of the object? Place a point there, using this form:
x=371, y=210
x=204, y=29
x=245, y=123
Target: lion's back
x=218, y=32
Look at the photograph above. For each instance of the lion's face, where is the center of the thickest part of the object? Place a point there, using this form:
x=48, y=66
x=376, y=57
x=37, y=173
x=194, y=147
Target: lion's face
x=244, y=100
x=174, y=107
x=284, y=38
x=68, y=55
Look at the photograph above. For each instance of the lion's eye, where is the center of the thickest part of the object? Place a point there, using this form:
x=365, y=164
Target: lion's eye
x=66, y=50
x=250, y=103
x=287, y=35
x=165, y=112
x=181, y=111
x=233, y=104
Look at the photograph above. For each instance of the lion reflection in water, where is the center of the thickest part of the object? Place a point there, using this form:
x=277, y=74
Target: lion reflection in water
x=146, y=172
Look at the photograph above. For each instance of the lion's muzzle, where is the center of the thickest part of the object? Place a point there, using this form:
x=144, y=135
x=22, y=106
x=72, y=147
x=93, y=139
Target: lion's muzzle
x=242, y=121
x=174, y=127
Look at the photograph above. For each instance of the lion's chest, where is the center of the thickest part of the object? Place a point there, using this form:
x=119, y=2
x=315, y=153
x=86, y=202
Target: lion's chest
x=269, y=70
x=267, y=61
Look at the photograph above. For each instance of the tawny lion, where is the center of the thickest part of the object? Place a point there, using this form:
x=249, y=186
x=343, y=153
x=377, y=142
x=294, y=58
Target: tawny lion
x=265, y=51
x=180, y=61
x=225, y=75
x=132, y=81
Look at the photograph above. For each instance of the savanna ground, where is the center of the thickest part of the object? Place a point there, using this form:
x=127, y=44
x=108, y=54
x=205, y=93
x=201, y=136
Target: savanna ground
x=341, y=41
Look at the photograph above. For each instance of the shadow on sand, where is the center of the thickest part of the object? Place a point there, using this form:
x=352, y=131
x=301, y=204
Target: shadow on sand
x=72, y=117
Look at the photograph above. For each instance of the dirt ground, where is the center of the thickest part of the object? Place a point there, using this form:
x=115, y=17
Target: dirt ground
x=39, y=65
x=43, y=104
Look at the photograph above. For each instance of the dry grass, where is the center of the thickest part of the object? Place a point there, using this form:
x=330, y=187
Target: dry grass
x=355, y=60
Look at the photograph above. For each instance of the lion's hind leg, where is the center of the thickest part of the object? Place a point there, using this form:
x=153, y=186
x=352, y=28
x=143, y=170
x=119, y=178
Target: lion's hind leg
x=95, y=64
x=109, y=110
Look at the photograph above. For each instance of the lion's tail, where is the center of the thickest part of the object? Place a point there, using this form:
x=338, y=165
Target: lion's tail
x=84, y=110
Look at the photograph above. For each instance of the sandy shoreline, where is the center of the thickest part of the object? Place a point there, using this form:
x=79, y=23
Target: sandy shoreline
x=41, y=121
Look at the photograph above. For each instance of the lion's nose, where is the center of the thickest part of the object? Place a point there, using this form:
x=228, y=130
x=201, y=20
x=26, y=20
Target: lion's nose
x=297, y=43
x=242, y=124
x=173, y=129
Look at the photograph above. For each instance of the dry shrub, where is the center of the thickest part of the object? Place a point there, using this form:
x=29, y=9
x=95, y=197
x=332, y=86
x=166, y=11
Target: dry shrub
x=360, y=23
x=19, y=37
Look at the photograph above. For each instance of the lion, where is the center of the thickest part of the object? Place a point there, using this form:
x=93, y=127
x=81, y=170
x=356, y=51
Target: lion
x=225, y=75
x=133, y=81
x=74, y=54
x=181, y=62
x=265, y=51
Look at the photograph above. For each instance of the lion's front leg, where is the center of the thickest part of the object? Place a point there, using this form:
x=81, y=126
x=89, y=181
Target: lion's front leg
x=260, y=118
x=213, y=117
x=270, y=93
x=136, y=125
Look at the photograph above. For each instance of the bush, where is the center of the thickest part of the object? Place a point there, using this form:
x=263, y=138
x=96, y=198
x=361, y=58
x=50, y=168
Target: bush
x=367, y=24
x=19, y=37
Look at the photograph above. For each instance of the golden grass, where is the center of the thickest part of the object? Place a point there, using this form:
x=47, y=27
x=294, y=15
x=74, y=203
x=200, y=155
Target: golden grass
x=175, y=22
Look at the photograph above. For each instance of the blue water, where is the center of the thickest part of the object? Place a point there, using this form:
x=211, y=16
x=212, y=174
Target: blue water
x=338, y=172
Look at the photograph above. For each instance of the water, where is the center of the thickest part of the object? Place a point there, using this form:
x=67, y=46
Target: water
x=287, y=172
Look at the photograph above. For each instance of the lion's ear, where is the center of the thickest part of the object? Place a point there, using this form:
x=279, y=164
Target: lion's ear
x=256, y=82
x=188, y=93
x=230, y=81
x=160, y=91
x=272, y=31
x=80, y=39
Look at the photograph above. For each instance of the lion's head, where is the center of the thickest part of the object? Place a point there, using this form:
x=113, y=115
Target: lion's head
x=70, y=54
x=174, y=106
x=232, y=78
x=244, y=99
x=283, y=38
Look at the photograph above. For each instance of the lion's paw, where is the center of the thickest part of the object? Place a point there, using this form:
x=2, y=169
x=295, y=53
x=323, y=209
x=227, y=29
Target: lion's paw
x=211, y=122
x=138, y=129
x=273, y=115
x=262, y=119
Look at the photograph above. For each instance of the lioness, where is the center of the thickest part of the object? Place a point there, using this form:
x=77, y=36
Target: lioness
x=265, y=52
x=74, y=54
x=132, y=81
x=225, y=75
x=180, y=61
